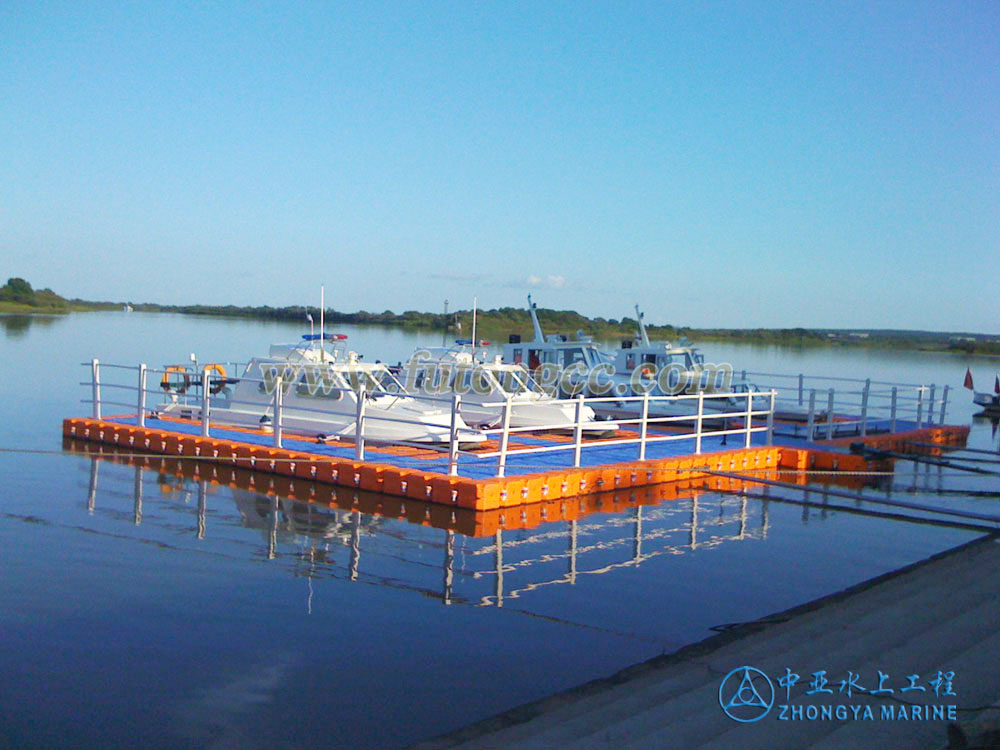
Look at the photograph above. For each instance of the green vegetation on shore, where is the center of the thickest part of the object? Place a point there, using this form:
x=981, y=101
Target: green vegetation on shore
x=17, y=296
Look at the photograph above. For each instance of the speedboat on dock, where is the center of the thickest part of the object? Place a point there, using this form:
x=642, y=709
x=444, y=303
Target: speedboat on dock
x=321, y=387
x=486, y=386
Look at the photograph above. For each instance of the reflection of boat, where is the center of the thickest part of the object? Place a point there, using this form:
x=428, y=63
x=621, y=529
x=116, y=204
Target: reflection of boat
x=486, y=386
x=320, y=391
x=298, y=517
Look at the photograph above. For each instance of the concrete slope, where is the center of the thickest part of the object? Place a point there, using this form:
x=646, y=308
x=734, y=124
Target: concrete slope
x=939, y=615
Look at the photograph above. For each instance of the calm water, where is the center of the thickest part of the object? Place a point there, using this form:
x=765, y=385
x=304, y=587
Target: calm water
x=139, y=607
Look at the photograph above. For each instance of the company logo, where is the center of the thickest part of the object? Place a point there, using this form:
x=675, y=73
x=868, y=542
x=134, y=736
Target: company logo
x=746, y=694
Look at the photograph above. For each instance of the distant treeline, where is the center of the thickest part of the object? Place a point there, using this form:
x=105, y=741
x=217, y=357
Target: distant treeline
x=18, y=296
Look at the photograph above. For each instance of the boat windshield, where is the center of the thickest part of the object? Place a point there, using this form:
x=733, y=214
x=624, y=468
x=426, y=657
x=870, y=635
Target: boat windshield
x=519, y=382
x=477, y=379
x=357, y=376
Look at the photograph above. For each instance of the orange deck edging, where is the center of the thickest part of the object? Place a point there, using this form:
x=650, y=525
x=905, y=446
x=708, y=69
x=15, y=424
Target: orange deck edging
x=494, y=494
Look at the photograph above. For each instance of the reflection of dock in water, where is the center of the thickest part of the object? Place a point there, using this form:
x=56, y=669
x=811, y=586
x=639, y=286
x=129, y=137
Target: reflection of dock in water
x=478, y=558
x=477, y=571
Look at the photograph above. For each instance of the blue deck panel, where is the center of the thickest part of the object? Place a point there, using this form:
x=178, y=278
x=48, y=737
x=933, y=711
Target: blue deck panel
x=591, y=454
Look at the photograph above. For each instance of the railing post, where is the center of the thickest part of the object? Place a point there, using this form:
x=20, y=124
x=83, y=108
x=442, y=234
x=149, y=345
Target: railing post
x=770, y=419
x=920, y=406
x=205, y=406
x=864, y=406
x=578, y=431
x=829, y=415
x=811, y=422
x=801, y=383
x=504, y=437
x=749, y=424
x=359, y=426
x=892, y=410
x=930, y=405
x=141, y=406
x=944, y=403
x=456, y=402
x=279, y=401
x=644, y=425
x=95, y=375
x=698, y=422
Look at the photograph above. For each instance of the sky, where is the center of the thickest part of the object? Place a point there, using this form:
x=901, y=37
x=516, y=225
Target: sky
x=722, y=164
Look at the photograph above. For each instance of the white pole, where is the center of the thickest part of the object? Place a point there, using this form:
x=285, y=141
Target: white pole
x=278, y=409
x=578, y=431
x=749, y=424
x=644, y=425
x=504, y=437
x=456, y=401
x=864, y=407
x=811, y=423
x=95, y=374
x=205, y=406
x=944, y=403
x=829, y=415
x=141, y=417
x=359, y=418
x=701, y=412
x=770, y=419
x=322, y=321
x=920, y=406
x=892, y=411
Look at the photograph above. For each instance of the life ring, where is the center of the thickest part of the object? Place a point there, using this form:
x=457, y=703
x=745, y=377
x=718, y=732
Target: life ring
x=220, y=382
x=167, y=385
x=646, y=371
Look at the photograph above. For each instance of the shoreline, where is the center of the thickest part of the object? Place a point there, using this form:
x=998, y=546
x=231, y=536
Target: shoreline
x=498, y=325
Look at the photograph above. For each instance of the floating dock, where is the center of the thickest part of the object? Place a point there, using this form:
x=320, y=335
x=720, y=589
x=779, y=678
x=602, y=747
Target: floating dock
x=422, y=473
x=466, y=521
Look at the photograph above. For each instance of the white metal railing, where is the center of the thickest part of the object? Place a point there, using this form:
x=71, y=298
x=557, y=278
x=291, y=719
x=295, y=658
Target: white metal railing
x=742, y=414
x=818, y=408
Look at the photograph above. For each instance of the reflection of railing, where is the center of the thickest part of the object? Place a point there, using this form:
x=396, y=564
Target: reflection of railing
x=818, y=408
x=694, y=415
x=647, y=532
x=639, y=538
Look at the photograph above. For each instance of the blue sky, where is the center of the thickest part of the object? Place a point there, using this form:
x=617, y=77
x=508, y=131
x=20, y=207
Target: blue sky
x=722, y=164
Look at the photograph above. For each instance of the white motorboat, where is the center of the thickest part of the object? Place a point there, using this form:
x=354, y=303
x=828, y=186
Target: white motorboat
x=321, y=386
x=486, y=386
x=557, y=353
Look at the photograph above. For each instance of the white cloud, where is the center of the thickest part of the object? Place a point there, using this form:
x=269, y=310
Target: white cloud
x=549, y=282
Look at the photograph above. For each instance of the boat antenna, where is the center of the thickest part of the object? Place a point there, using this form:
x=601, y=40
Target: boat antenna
x=534, y=320
x=322, y=321
x=475, y=300
x=642, y=327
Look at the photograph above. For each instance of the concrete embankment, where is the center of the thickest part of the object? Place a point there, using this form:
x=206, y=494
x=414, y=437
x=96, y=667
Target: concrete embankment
x=934, y=620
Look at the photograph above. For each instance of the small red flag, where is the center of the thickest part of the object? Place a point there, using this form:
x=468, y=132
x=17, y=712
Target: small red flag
x=968, y=378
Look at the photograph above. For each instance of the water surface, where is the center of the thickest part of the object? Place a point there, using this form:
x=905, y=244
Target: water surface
x=143, y=606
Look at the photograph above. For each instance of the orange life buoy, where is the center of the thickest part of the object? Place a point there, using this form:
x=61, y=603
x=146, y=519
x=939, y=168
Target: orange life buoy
x=182, y=385
x=220, y=382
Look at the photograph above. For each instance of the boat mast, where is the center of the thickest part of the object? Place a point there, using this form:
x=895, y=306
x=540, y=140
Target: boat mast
x=534, y=320
x=322, y=320
x=642, y=327
x=475, y=301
